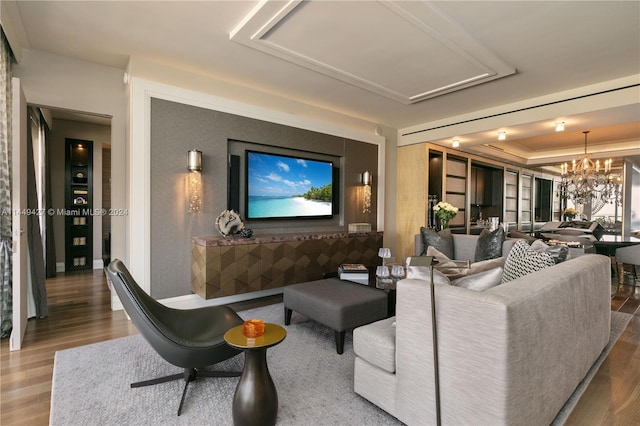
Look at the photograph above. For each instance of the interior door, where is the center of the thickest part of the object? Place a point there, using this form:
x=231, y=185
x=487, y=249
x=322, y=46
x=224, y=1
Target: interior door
x=19, y=205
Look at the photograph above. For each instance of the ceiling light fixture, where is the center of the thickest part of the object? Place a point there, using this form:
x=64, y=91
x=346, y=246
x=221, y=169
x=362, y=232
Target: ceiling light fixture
x=502, y=136
x=585, y=183
x=455, y=143
x=560, y=126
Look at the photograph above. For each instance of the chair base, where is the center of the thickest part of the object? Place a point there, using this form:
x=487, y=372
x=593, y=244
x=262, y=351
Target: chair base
x=189, y=375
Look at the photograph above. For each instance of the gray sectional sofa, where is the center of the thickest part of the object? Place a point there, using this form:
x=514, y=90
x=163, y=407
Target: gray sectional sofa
x=510, y=355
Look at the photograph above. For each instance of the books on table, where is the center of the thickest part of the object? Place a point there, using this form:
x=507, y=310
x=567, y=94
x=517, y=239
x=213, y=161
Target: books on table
x=355, y=272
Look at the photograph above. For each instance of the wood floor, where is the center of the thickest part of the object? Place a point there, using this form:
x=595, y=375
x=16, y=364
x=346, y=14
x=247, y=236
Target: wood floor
x=80, y=314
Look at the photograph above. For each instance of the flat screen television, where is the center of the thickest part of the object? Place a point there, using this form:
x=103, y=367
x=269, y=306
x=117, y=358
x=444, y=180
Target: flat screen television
x=286, y=187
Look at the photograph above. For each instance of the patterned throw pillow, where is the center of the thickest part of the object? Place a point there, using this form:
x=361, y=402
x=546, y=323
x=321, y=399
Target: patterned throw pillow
x=522, y=260
x=441, y=241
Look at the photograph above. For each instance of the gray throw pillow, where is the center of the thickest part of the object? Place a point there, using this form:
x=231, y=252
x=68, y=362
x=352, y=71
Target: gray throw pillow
x=560, y=253
x=481, y=281
x=441, y=241
x=489, y=245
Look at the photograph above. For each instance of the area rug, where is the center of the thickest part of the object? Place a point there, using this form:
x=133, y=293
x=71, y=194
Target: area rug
x=314, y=383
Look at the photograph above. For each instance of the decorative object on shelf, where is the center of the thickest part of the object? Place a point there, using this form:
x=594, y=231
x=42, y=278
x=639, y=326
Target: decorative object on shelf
x=253, y=328
x=431, y=216
x=194, y=165
x=585, y=183
x=366, y=192
x=445, y=212
x=359, y=227
x=229, y=223
x=570, y=213
x=246, y=233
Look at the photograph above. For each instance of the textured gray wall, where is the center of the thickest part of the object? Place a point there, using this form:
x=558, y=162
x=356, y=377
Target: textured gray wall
x=177, y=128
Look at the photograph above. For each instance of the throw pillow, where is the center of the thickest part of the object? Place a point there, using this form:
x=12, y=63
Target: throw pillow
x=489, y=245
x=521, y=235
x=481, y=281
x=442, y=241
x=522, y=260
x=451, y=270
x=424, y=273
x=560, y=253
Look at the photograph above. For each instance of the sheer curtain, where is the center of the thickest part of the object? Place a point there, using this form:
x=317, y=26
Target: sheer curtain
x=6, y=299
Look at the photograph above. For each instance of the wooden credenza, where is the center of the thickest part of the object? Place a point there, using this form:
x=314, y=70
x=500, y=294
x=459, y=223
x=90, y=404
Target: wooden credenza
x=230, y=266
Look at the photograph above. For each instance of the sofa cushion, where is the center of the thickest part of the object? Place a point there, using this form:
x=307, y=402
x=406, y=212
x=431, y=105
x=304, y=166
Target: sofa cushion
x=376, y=343
x=559, y=253
x=489, y=245
x=452, y=271
x=481, y=281
x=442, y=241
x=522, y=236
x=424, y=273
x=522, y=260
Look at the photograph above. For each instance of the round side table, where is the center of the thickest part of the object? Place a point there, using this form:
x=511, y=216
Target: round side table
x=256, y=400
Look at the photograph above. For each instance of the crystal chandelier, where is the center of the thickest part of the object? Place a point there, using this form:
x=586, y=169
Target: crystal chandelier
x=591, y=182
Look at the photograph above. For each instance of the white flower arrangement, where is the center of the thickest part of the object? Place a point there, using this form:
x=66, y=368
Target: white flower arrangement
x=445, y=211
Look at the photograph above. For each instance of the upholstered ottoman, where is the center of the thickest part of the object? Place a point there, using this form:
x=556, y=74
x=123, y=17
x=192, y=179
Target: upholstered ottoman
x=340, y=305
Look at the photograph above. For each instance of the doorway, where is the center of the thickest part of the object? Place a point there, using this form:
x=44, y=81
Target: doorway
x=66, y=124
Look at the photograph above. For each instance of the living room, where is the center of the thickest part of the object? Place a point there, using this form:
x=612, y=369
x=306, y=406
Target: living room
x=60, y=80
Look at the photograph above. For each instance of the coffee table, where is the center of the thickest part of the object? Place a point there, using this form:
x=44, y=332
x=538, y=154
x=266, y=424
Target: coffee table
x=255, y=400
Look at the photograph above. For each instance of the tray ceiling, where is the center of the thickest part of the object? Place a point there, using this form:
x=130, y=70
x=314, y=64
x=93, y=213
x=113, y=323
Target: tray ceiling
x=426, y=54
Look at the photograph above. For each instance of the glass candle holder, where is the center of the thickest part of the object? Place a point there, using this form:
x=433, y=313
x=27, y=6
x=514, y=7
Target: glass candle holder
x=384, y=253
x=383, y=279
x=397, y=273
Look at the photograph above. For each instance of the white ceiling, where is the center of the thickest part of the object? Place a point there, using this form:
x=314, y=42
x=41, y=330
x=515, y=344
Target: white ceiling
x=398, y=64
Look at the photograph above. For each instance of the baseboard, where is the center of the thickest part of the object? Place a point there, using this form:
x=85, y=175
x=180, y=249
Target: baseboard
x=97, y=264
x=191, y=301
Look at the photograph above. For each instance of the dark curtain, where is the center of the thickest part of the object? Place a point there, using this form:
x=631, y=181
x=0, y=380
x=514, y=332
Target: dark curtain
x=6, y=289
x=36, y=253
x=50, y=241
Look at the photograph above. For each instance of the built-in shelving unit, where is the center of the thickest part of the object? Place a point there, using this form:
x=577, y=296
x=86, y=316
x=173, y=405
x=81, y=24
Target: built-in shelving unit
x=456, y=189
x=557, y=203
x=511, y=197
x=78, y=205
x=526, y=192
x=475, y=185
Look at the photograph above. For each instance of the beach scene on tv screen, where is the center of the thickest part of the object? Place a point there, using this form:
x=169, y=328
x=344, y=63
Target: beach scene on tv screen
x=279, y=186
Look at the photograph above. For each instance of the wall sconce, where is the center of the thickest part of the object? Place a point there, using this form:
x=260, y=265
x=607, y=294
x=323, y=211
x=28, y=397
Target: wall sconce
x=455, y=143
x=502, y=136
x=366, y=192
x=560, y=126
x=194, y=165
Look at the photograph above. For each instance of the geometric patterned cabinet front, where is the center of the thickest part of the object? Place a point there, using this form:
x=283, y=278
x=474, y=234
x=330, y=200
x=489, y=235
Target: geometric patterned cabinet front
x=229, y=266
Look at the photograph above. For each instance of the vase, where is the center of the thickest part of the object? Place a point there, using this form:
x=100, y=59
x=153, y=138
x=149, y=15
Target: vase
x=444, y=223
